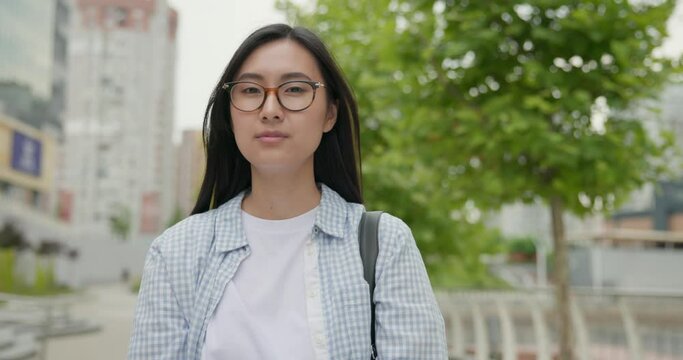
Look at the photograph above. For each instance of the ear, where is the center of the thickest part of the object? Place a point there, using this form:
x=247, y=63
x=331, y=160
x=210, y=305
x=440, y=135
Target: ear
x=331, y=117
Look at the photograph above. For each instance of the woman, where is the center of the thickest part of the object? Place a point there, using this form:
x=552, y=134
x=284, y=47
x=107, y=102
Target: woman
x=268, y=267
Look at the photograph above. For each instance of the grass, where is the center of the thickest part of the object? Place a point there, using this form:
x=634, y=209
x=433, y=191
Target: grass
x=33, y=291
x=44, y=283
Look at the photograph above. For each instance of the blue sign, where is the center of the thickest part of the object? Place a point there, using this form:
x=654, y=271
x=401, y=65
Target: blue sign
x=26, y=154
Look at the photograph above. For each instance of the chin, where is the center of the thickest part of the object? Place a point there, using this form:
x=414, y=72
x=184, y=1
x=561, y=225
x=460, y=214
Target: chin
x=266, y=167
x=281, y=166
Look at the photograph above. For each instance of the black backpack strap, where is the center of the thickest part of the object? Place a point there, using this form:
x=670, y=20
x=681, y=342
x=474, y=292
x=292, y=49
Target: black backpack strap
x=369, y=248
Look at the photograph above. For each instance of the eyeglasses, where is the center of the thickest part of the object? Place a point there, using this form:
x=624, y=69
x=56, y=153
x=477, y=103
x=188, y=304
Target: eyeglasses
x=296, y=95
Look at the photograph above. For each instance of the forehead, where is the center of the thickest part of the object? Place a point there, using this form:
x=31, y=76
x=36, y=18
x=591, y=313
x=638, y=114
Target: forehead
x=277, y=58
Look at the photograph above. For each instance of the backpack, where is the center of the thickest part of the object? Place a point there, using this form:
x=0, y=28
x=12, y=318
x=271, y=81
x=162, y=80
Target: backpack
x=368, y=244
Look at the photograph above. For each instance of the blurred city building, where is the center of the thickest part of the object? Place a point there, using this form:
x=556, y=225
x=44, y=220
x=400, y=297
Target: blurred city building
x=190, y=170
x=33, y=65
x=33, y=71
x=655, y=207
x=659, y=206
x=118, y=154
x=533, y=221
x=641, y=245
x=28, y=164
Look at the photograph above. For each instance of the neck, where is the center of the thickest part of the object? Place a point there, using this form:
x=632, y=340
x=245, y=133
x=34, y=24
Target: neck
x=281, y=196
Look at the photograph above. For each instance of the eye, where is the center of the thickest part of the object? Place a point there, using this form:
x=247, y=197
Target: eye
x=251, y=90
x=295, y=89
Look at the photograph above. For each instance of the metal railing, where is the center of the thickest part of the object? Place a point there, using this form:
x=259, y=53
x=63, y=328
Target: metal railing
x=26, y=323
x=522, y=324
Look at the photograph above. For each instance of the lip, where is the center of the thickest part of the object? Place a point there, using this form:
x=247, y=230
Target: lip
x=271, y=136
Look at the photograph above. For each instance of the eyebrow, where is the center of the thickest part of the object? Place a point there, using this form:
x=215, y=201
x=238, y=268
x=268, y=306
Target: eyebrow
x=284, y=77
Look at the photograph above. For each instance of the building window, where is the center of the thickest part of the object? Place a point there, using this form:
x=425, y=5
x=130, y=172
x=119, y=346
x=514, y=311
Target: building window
x=36, y=199
x=102, y=172
x=117, y=16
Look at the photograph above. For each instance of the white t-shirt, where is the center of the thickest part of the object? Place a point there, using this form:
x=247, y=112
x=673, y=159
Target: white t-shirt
x=263, y=312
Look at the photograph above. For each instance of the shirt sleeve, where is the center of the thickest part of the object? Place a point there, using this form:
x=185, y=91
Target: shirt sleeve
x=159, y=328
x=409, y=324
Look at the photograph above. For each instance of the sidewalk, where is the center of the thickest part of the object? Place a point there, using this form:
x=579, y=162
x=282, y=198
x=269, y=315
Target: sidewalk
x=111, y=306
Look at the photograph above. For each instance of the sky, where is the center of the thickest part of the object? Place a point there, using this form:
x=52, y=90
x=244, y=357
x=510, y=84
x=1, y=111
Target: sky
x=209, y=33
x=211, y=30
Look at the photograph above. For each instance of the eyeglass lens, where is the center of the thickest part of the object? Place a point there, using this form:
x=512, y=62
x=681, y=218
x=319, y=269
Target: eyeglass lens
x=292, y=95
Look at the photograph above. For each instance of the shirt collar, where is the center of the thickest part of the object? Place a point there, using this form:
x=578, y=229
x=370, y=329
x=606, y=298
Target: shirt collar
x=331, y=217
x=229, y=230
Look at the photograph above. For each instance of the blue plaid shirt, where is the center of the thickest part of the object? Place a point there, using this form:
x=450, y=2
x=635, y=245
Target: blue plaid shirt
x=189, y=265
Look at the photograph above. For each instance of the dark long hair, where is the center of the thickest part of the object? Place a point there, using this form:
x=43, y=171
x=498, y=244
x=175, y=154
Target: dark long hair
x=337, y=159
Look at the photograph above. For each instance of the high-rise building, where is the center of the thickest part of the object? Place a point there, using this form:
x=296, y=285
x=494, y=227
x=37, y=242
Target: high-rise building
x=33, y=44
x=33, y=68
x=118, y=156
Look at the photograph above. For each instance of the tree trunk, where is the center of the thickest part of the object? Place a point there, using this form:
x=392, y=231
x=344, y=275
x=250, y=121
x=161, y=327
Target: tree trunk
x=561, y=280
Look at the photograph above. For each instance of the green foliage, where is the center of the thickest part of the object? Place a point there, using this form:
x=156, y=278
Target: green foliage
x=468, y=105
x=523, y=245
x=7, y=259
x=12, y=238
x=44, y=281
x=44, y=277
x=49, y=247
x=11, y=241
x=120, y=222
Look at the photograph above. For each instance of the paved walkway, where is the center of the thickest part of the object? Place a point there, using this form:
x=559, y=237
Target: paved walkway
x=112, y=307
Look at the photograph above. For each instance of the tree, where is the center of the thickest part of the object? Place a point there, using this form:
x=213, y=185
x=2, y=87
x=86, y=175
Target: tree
x=399, y=175
x=12, y=238
x=471, y=104
x=120, y=222
x=49, y=247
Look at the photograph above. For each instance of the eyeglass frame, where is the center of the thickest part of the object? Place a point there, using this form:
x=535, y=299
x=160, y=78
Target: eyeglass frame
x=314, y=84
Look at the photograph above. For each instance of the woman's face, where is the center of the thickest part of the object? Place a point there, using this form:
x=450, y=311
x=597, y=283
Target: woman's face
x=272, y=138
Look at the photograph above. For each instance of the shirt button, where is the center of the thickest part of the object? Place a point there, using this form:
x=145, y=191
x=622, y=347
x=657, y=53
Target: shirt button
x=312, y=293
x=319, y=340
x=315, y=229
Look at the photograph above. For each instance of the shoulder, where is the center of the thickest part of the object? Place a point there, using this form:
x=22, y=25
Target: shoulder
x=393, y=233
x=397, y=250
x=191, y=235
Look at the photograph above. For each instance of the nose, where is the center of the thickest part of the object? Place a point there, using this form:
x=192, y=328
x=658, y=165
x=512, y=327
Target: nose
x=271, y=108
